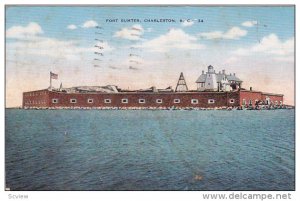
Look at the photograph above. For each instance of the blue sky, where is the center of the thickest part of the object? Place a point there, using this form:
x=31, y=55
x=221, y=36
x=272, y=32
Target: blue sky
x=55, y=19
x=246, y=40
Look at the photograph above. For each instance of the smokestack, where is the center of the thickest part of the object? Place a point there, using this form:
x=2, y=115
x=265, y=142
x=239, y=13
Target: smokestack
x=230, y=73
x=223, y=71
x=234, y=74
x=203, y=72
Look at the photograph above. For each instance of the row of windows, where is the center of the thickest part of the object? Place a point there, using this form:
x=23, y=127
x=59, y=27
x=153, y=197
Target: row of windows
x=125, y=100
x=35, y=93
x=250, y=102
x=35, y=102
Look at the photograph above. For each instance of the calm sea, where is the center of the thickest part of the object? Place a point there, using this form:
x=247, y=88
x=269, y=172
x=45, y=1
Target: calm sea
x=149, y=150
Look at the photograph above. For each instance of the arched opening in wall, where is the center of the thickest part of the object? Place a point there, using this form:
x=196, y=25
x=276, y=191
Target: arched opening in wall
x=158, y=100
x=244, y=102
x=73, y=100
x=124, y=100
x=141, y=100
x=268, y=100
x=233, y=86
x=176, y=101
x=211, y=101
x=54, y=100
x=194, y=101
x=107, y=100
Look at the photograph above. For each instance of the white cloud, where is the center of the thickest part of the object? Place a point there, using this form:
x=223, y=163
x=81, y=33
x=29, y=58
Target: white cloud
x=273, y=45
x=72, y=26
x=174, y=39
x=90, y=24
x=233, y=33
x=270, y=44
x=131, y=33
x=212, y=35
x=52, y=48
x=36, y=45
x=187, y=23
x=32, y=29
x=249, y=23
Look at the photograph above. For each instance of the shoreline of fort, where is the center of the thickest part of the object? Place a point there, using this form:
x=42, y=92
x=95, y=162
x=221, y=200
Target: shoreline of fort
x=259, y=107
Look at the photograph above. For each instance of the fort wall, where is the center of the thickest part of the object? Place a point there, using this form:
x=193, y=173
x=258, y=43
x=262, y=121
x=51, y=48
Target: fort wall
x=45, y=98
x=57, y=99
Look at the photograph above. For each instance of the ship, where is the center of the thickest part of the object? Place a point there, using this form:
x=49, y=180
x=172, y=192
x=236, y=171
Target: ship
x=214, y=91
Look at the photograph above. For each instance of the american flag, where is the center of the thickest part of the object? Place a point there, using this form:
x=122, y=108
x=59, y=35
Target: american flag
x=53, y=76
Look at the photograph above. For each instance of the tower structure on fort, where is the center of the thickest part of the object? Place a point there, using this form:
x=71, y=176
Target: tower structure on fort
x=181, y=84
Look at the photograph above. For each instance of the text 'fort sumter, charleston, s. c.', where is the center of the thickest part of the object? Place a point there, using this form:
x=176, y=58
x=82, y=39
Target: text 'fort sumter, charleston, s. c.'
x=151, y=20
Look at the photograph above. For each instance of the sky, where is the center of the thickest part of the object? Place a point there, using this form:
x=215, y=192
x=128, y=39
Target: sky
x=140, y=47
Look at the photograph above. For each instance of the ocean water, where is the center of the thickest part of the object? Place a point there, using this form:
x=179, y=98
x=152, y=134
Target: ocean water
x=149, y=150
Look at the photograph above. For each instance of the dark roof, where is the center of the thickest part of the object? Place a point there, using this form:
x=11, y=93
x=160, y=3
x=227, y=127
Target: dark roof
x=219, y=77
x=201, y=78
x=233, y=78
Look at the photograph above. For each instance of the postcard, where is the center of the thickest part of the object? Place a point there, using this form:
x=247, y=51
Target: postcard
x=143, y=98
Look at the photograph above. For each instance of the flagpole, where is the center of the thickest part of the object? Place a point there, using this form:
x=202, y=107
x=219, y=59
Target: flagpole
x=50, y=81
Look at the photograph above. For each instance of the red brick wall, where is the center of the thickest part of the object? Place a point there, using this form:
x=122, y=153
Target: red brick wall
x=249, y=95
x=38, y=98
x=43, y=98
x=257, y=95
x=273, y=97
x=221, y=99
